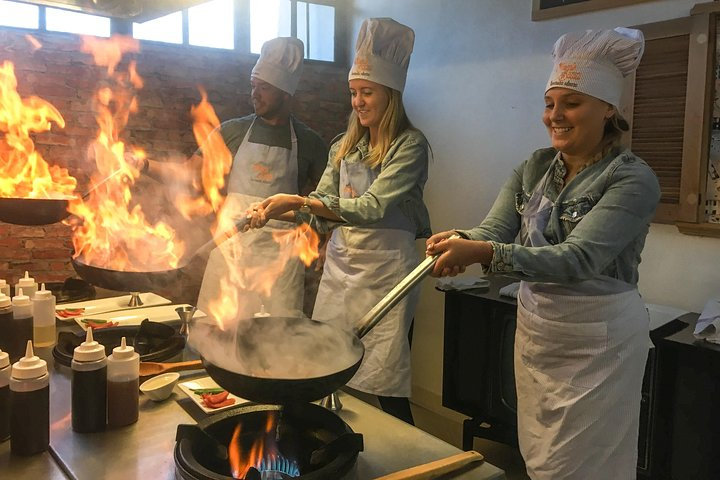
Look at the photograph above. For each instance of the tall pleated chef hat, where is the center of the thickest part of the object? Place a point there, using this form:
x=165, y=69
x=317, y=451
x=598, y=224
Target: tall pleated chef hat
x=280, y=63
x=595, y=62
x=382, y=52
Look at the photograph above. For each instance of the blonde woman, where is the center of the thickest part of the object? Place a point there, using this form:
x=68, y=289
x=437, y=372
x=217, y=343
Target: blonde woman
x=371, y=198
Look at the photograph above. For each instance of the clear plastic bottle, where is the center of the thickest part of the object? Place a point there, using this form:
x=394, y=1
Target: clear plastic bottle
x=4, y=287
x=4, y=396
x=43, y=318
x=21, y=327
x=28, y=285
x=123, y=376
x=89, y=386
x=29, y=405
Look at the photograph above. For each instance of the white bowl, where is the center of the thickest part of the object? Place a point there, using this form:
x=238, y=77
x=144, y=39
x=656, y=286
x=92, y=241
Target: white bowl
x=161, y=387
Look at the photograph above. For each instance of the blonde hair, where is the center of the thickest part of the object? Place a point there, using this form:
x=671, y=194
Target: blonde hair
x=393, y=122
x=615, y=126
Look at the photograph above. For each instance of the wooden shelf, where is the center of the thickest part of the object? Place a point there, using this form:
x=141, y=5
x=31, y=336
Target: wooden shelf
x=701, y=229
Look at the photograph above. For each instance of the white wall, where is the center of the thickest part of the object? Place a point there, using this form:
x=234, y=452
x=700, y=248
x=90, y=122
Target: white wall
x=475, y=87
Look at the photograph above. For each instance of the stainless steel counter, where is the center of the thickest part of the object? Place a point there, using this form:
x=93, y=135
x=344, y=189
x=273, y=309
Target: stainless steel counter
x=145, y=449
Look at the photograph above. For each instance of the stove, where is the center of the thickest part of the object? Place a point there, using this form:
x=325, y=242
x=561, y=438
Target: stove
x=267, y=442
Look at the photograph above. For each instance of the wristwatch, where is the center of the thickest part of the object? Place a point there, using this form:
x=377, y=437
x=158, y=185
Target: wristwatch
x=305, y=207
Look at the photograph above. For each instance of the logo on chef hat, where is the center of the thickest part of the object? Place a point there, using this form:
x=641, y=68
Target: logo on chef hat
x=361, y=67
x=567, y=74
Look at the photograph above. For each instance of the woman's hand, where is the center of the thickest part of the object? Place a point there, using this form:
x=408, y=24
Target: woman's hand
x=455, y=254
x=275, y=207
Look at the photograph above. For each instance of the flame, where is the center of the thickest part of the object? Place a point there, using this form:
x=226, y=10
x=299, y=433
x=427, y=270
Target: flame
x=34, y=42
x=216, y=162
x=300, y=242
x=114, y=232
x=23, y=171
x=264, y=447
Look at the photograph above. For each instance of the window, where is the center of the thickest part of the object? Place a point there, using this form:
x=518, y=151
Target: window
x=242, y=25
x=19, y=15
x=57, y=20
x=212, y=24
x=314, y=24
x=168, y=29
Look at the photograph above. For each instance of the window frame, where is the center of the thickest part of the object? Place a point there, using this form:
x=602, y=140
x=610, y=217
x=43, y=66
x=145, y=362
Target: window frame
x=241, y=28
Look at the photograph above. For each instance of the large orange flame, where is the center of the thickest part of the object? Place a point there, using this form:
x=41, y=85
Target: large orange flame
x=114, y=232
x=263, y=447
x=301, y=242
x=23, y=171
x=216, y=162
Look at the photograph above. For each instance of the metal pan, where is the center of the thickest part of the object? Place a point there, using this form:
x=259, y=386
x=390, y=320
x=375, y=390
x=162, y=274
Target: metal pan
x=33, y=211
x=40, y=211
x=291, y=390
x=144, y=281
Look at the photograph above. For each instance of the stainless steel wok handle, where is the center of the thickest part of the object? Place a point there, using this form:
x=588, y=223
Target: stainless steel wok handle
x=221, y=238
x=396, y=294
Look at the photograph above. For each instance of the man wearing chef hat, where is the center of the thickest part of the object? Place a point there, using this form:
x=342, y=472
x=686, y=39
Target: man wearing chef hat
x=272, y=152
x=581, y=211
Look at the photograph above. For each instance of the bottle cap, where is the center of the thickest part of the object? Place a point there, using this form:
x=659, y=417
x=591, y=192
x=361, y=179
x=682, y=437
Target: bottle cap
x=262, y=313
x=26, y=281
x=29, y=366
x=89, y=350
x=123, y=352
x=20, y=299
x=4, y=359
x=42, y=294
x=4, y=300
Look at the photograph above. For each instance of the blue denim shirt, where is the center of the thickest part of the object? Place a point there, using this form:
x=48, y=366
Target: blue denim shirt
x=400, y=181
x=598, y=223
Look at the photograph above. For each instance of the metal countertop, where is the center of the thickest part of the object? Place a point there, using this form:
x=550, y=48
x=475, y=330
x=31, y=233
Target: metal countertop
x=145, y=449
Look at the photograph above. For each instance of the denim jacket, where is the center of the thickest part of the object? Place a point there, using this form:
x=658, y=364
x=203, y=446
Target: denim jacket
x=400, y=181
x=598, y=223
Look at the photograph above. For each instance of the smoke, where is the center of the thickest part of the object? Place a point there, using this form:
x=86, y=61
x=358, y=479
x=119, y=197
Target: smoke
x=276, y=347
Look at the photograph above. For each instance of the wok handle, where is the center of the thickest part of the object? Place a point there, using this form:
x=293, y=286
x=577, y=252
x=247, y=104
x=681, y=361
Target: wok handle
x=428, y=471
x=396, y=294
x=221, y=238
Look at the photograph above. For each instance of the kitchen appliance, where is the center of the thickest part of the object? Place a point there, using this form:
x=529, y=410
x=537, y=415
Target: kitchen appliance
x=303, y=441
x=153, y=341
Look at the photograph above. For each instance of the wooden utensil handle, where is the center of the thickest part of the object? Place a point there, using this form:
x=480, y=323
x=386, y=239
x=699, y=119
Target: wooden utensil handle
x=428, y=471
x=189, y=365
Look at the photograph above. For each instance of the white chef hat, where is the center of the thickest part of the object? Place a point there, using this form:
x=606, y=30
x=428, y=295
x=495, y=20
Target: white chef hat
x=382, y=52
x=280, y=63
x=595, y=62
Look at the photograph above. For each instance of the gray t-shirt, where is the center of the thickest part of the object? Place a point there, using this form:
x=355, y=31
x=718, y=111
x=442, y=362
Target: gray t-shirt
x=312, y=151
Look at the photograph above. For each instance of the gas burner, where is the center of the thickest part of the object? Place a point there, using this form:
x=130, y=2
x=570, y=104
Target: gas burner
x=267, y=442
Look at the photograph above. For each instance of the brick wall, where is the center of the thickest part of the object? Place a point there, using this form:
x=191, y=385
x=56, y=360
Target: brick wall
x=66, y=77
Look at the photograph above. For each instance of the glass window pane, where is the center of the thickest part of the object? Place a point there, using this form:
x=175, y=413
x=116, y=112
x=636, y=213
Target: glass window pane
x=13, y=14
x=268, y=19
x=321, y=44
x=58, y=20
x=211, y=24
x=166, y=29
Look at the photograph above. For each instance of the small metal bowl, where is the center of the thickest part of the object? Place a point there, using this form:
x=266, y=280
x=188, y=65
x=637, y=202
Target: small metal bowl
x=161, y=387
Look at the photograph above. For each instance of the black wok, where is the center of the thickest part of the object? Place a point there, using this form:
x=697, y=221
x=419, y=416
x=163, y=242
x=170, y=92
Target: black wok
x=271, y=389
x=39, y=211
x=144, y=281
x=33, y=211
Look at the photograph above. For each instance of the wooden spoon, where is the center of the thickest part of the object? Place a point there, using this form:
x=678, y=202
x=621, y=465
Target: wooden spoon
x=148, y=369
x=431, y=470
